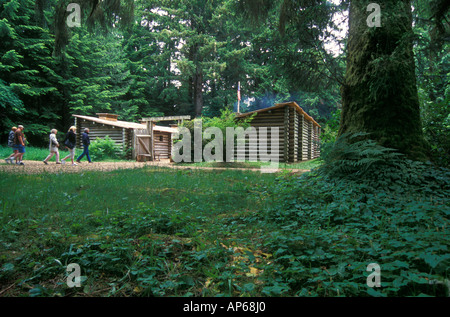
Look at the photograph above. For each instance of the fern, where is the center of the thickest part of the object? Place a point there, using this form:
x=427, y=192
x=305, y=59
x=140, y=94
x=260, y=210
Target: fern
x=356, y=155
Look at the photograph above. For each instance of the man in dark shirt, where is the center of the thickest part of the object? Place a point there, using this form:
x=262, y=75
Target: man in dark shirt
x=86, y=142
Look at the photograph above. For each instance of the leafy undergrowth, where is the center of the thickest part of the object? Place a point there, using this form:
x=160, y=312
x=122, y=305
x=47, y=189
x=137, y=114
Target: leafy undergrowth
x=240, y=234
x=142, y=232
x=325, y=235
x=327, y=226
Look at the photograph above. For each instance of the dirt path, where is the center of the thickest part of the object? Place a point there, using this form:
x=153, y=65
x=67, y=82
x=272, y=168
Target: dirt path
x=34, y=167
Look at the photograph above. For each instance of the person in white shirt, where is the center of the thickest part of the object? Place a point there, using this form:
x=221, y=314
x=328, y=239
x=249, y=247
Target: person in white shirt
x=53, y=147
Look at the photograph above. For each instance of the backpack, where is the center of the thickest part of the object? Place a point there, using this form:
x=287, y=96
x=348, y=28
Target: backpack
x=11, y=138
x=67, y=141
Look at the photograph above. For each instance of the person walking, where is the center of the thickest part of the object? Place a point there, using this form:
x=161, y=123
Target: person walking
x=53, y=147
x=9, y=159
x=86, y=142
x=70, y=142
x=19, y=145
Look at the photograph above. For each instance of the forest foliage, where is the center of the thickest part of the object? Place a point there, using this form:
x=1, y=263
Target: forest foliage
x=147, y=58
x=230, y=233
x=218, y=233
x=171, y=58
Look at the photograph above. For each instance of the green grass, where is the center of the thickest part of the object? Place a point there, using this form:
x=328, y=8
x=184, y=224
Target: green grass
x=165, y=232
x=38, y=154
x=306, y=165
x=31, y=153
x=136, y=229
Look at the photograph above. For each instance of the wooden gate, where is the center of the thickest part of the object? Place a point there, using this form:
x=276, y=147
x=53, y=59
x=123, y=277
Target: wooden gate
x=144, y=148
x=144, y=144
x=155, y=143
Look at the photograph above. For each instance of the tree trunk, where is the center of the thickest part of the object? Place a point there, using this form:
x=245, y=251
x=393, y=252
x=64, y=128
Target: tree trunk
x=379, y=95
x=198, y=92
x=195, y=92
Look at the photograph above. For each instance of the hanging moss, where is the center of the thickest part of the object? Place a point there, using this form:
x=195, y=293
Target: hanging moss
x=380, y=95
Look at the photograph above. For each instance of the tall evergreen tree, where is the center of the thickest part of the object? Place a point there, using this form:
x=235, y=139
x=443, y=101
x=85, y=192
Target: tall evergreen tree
x=26, y=77
x=432, y=52
x=379, y=95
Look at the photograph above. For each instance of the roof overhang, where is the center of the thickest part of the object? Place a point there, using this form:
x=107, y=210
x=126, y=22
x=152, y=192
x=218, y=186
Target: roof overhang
x=126, y=124
x=281, y=105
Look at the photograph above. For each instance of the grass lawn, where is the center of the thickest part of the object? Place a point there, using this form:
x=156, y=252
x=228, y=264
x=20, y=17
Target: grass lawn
x=158, y=231
x=39, y=154
x=137, y=232
x=31, y=153
x=306, y=165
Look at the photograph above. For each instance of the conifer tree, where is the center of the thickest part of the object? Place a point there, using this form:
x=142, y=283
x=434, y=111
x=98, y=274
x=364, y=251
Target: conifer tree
x=27, y=79
x=379, y=95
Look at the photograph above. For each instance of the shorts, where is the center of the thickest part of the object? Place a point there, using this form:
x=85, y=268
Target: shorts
x=19, y=147
x=72, y=153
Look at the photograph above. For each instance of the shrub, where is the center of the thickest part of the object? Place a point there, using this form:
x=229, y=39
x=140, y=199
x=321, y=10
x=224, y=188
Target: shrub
x=436, y=127
x=330, y=129
x=102, y=149
x=226, y=120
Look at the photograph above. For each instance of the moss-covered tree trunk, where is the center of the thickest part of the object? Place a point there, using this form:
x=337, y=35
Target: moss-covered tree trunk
x=380, y=94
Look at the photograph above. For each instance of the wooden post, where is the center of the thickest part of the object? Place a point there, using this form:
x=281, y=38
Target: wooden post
x=294, y=140
x=78, y=132
x=134, y=146
x=317, y=141
x=304, y=138
x=286, y=134
x=124, y=140
x=150, y=126
x=310, y=140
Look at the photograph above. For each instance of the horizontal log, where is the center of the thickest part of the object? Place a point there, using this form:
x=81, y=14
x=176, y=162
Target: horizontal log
x=268, y=125
x=105, y=132
x=268, y=151
x=279, y=119
x=270, y=114
x=102, y=137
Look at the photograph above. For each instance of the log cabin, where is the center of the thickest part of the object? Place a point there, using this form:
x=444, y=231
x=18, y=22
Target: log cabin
x=298, y=136
x=132, y=138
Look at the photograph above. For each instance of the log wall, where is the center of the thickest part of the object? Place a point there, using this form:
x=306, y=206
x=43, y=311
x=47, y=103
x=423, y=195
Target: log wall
x=252, y=150
x=162, y=145
x=123, y=138
x=298, y=135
